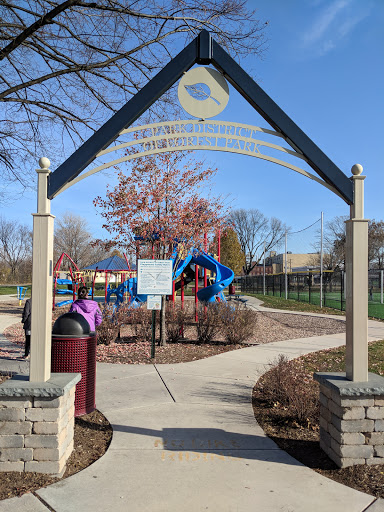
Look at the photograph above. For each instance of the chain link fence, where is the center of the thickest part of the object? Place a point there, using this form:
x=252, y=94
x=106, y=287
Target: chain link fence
x=306, y=287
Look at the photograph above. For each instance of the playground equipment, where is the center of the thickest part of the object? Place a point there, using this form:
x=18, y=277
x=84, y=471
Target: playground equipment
x=21, y=291
x=73, y=283
x=114, y=265
x=223, y=277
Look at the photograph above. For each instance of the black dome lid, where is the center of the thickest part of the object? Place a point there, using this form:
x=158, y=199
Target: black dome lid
x=72, y=324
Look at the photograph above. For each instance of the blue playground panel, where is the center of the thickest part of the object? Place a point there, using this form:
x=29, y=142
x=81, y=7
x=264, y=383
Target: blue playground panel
x=63, y=291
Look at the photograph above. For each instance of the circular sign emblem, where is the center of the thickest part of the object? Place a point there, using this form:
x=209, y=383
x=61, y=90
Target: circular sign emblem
x=203, y=92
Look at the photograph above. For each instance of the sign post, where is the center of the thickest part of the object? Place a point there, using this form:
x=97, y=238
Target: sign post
x=154, y=279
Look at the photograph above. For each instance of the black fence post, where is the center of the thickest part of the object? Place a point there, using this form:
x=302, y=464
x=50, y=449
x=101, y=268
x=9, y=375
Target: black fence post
x=298, y=285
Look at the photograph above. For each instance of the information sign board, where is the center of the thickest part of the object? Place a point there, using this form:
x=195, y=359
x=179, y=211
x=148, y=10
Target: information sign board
x=154, y=277
x=154, y=302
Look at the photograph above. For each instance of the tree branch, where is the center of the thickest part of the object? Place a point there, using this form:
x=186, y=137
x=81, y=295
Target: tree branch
x=44, y=20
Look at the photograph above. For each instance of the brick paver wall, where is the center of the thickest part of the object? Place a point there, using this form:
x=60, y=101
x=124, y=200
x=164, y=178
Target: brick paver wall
x=36, y=433
x=352, y=427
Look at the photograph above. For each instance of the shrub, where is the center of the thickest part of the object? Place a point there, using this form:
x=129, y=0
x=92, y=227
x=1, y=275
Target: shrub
x=123, y=316
x=108, y=329
x=141, y=321
x=289, y=385
x=208, y=324
x=237, y=325
x=175, y=319
x=276, y=382
x=59, y=311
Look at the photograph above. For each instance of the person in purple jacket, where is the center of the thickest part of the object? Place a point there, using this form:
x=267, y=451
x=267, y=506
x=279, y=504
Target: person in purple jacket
x=88, y=308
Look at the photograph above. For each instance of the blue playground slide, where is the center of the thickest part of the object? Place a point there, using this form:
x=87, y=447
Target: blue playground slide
x=223, y=278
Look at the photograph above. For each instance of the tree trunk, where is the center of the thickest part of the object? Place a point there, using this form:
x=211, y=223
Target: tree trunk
x=163, y=333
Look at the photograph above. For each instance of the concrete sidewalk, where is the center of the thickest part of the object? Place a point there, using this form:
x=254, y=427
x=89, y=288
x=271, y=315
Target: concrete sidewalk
x=185, y=438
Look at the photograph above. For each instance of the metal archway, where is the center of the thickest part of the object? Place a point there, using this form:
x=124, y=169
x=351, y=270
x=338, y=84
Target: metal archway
x=205, y=51
x=193, y=135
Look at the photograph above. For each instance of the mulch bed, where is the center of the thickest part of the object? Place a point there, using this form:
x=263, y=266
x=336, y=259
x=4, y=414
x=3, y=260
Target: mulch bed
x=125, y=352
x=93, y=434
x=302, y=443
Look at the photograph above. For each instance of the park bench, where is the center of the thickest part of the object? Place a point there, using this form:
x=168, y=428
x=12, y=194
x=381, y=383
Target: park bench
x=238, y=297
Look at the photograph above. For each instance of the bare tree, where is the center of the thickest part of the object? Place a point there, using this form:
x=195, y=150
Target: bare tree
x=334, y=243
x=73, y=237
x=253, y=229
x=376, y=244
x=335, y=239
x=67, y=66
x=15, y=245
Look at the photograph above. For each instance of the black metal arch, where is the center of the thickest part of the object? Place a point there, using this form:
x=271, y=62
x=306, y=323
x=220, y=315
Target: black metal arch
x=202, y=50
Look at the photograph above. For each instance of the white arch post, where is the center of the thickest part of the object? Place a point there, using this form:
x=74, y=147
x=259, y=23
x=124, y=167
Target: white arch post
x=356, y=263
x=42, y=267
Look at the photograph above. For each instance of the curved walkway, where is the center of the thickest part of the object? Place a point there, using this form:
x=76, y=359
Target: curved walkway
x=185, y=438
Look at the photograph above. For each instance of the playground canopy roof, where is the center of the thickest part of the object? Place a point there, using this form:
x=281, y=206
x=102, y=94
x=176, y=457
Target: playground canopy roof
x=111, y=264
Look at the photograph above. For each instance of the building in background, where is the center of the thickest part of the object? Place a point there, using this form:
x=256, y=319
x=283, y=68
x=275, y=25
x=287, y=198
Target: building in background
x=295, y=262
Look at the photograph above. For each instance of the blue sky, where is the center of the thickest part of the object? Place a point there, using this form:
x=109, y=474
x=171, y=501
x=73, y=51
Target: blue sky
x=324, y=68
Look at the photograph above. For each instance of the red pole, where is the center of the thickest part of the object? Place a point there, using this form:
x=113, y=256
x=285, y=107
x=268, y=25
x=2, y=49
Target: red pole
x=73, y=285
x=106, y=284
x=218, y=246
x=196, y=288
x=93, y=284
x=205, y=250
x=173, y=292
x=182, y=289
x=126, y=259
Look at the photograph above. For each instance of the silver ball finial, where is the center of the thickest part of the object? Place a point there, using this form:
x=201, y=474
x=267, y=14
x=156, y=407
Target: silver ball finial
x=357, y=169
x=44, y=163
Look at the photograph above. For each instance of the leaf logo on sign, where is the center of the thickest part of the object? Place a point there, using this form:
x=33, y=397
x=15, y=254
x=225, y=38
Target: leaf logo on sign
x=200, y=92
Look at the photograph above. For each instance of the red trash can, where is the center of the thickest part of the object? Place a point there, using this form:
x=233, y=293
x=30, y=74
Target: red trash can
x=74, y=351
x=231, y=289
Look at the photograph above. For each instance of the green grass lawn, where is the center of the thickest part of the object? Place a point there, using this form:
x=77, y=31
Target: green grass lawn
x=330, y=360
x=375, y=309
x=12, y=290
x=333, y=360
x=270, y=301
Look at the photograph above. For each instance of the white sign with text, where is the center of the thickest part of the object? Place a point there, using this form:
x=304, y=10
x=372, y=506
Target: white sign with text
x=154, y=302
x=154, y=277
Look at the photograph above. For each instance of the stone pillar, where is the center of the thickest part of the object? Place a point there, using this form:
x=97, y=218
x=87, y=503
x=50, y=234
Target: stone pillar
x=42, y=268
x=356, y=263
x=352, y=419
x=352, y=403
x=37, y=423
